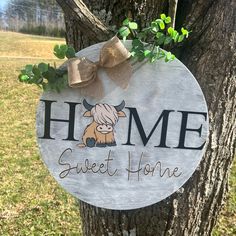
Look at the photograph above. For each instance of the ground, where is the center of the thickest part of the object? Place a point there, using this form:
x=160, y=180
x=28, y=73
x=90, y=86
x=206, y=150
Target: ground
x=31, y=202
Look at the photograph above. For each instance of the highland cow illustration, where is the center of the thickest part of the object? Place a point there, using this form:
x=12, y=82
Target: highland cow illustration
x=100, y=133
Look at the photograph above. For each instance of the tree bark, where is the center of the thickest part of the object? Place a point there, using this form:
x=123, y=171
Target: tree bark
x=84, y=28
x=210, y=55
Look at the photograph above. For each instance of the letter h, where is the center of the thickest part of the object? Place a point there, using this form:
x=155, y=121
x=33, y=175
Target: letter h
x=48, y=119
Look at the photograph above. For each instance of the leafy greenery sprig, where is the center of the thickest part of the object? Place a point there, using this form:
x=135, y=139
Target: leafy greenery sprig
x=147, y=43
x=48, y=77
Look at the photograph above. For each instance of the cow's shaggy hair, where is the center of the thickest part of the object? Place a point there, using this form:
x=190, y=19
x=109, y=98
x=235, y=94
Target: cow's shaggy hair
x=104, y=114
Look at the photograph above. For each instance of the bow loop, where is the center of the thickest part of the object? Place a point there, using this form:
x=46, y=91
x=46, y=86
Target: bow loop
x=113, y=53
x=81, y=72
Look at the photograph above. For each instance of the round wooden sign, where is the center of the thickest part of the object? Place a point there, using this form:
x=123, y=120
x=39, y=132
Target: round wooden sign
x=132, y=148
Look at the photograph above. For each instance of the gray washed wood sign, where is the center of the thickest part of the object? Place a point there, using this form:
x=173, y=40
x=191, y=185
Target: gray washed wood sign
x=132, y=148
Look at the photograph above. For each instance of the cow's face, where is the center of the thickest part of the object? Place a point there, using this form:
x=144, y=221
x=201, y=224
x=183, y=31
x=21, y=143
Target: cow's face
x=104, y=128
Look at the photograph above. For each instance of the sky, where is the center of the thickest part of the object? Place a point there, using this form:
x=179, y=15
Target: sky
x=3, y=3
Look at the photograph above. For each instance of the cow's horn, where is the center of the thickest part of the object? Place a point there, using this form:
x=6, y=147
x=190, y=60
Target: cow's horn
x=87, y=105
x=120, y=107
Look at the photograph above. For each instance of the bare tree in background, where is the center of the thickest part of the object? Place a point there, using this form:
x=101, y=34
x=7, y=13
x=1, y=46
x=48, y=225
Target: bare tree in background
x=43, y=17
x=210, y=55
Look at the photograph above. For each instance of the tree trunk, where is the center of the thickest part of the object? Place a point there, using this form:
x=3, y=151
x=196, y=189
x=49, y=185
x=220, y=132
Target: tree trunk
x=209, y=54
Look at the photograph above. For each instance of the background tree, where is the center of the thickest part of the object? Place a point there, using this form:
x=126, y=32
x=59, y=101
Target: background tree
x=210, y=55
x=43, y=17
x=1, y=20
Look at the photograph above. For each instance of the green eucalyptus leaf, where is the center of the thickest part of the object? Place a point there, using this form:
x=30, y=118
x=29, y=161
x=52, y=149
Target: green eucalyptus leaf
x=167, y=20
x=137, y=46
x=50, y=75
x=124, y=31
x=70, y=53
x=163, y=16
x=28, y=68
x=170, y=30
x=161, y=23
x=133, y=25
x=34, y=79
x=147, y=53
x=176, y=37
x=43, y=67
x=63, y=48
x=126, y=22
x=172, y=57
x=23, y=78
x=154, y=27
x=137, y=43
x=59, y=55
x=56, y=48
x=174, y=33
x=181, y=38
x=167, y=56
x=152, y=59
x=159, y=34
x=160, y=55
x=36, y=71
x=60, y=51
x=184, y=32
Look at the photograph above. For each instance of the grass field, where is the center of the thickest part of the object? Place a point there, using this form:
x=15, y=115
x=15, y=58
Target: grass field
x=31, y=202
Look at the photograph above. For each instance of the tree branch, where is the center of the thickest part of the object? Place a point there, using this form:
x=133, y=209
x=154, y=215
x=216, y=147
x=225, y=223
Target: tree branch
x=88, y=23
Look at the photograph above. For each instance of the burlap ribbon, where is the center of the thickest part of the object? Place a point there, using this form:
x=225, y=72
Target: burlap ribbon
x=83, y=73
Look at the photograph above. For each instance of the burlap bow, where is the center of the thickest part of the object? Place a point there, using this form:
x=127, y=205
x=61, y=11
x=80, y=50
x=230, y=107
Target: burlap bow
x=82, y=73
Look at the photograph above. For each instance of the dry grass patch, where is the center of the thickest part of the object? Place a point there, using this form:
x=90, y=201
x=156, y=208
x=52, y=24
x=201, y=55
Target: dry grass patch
x=20, y=45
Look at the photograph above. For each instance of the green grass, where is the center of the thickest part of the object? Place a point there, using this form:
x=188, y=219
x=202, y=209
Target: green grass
x=31, y=202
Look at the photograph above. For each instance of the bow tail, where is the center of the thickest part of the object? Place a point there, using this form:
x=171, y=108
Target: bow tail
x=94, y=89
x=120, y=74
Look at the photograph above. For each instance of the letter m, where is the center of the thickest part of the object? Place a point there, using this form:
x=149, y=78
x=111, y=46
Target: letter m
x=145, y=138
